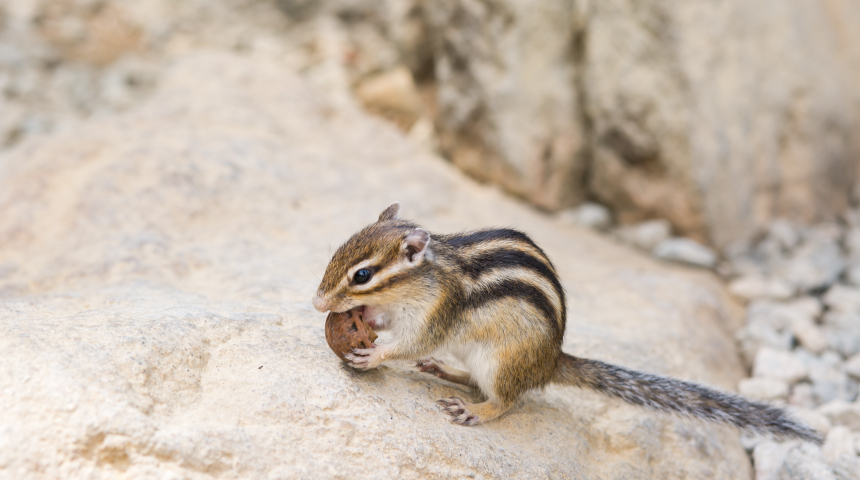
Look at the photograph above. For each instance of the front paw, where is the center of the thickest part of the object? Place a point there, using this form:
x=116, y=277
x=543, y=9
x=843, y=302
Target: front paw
x=365, y=358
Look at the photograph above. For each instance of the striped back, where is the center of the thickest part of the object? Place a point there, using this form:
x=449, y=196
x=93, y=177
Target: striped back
x=504, y=263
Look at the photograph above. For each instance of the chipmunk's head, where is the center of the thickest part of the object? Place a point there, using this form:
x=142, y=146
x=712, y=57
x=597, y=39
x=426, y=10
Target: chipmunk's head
x=376, y=267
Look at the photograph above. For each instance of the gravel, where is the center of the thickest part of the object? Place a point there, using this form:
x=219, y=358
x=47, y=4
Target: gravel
x=802, y=340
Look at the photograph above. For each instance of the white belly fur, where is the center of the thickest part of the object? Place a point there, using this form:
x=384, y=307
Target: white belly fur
x=479, y=359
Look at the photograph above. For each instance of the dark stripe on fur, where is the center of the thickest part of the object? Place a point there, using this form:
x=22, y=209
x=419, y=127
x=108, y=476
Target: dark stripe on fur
x=475, y=266
x=463, y=240
x=514, y=289
x=686, y=398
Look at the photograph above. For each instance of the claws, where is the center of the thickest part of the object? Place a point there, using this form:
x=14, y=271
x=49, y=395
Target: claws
x=431, y=366
x=456, y=408
x=361, y=358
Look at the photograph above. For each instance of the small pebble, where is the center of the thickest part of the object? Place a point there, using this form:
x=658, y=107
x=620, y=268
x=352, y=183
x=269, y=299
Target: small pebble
x=760, y=388
x=809, y=335
x=769, y=457
x=789, y=460
x=645, y=235
x=590, y=215
x=750, y=440
x=839, y=442
x=815, y=265
x=778, y=364
x=805, y=462
x=752, y=287
x=829, y=383
x=824, y=232
x=780, y=315
x=684, y=250
x=852, y=274
x=802, y=396
x=814, y=419
x=784, y=234
x=843, y=332
x=808, y=305
x=842, y=298
x=759, y=334
x=852, y=243
x=852, y=366
x=847, y=467
x=840, y=412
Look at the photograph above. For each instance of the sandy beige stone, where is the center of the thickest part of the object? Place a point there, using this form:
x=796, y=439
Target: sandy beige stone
x=719, y=116
x=155, y=276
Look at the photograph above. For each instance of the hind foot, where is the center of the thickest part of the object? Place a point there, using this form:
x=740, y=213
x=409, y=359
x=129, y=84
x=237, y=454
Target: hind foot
x=456, y=407
x=469, y=414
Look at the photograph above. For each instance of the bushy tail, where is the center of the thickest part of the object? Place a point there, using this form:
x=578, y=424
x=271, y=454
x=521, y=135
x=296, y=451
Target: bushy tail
x=677, y=396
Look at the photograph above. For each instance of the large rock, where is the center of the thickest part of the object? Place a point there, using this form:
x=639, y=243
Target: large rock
x=716, y=115
x=508, y=109
x=155, y=276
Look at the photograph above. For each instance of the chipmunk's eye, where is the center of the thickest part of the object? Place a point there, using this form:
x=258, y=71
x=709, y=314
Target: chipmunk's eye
x=362, y=276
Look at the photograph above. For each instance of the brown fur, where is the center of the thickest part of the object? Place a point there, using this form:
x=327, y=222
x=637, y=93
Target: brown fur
x=494, y=298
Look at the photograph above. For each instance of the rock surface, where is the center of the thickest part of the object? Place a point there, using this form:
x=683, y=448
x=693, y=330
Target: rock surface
x=508, y=106
x=671, y=87
x=658, y=96
x=64, y=60
x=155, y=276
x=644, y=105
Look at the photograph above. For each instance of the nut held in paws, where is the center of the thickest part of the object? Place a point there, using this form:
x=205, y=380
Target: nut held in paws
x=347, y=330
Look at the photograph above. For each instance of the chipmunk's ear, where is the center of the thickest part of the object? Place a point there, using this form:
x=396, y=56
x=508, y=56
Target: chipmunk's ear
x=390, y=213
x=415, y=245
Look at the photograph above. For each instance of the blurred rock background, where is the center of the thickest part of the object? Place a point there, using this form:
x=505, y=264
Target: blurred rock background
x=718, y=117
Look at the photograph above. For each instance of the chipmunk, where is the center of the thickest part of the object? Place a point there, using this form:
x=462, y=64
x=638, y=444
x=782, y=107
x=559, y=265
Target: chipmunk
x=493, y=300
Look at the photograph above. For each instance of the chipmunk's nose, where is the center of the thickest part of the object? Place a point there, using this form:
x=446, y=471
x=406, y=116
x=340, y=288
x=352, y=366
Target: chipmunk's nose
x=319, y=303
